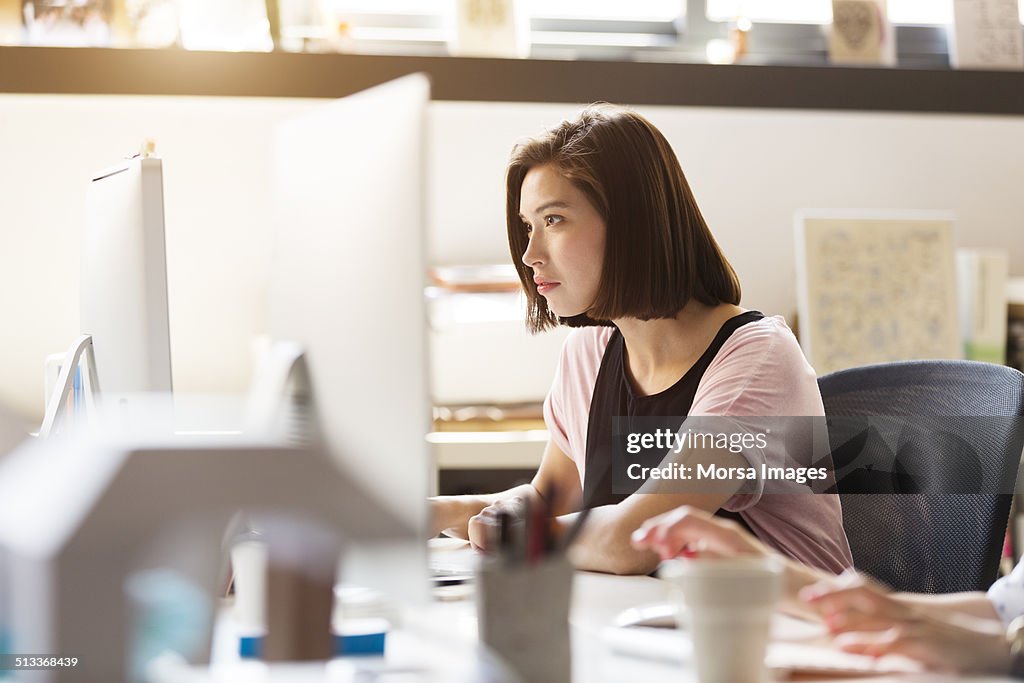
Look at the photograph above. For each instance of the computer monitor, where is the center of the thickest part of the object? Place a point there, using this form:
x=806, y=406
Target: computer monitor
x=123, y=295
x=124, y=278
x=347, y=282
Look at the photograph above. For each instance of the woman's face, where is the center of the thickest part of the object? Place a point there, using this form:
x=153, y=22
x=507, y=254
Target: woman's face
x=566, y=249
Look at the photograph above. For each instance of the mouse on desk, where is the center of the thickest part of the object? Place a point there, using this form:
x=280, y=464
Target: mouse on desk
x=657, y=615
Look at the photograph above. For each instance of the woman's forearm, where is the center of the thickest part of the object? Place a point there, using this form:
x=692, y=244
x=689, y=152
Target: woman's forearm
x=975, y=604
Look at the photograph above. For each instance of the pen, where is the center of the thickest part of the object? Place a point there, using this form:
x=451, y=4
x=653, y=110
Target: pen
x=504, y=536
x=536, y=532
x=523, y=551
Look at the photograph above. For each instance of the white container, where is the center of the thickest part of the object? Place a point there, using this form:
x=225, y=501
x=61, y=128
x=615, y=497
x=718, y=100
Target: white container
x=361, y=621
x=730, y=603
x=249, y=562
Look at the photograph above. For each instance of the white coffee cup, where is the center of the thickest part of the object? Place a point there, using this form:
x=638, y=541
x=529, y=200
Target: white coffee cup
x=730, y=604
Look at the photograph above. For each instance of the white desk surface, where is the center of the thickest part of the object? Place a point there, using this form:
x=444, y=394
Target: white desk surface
x=597, y=600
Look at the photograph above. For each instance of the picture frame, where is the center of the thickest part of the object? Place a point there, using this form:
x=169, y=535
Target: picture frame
x=876, y=286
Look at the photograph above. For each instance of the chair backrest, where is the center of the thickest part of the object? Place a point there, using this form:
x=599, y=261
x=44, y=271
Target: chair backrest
x=949, y=426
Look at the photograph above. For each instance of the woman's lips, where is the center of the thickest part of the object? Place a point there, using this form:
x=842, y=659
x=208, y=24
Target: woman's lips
x=546, y=287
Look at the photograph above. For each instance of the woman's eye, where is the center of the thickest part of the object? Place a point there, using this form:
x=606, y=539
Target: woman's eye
x=551, y=220
x=528, y=228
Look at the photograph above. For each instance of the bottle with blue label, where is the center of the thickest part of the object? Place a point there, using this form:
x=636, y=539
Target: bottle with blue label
x=249, y=563
x=361, y=621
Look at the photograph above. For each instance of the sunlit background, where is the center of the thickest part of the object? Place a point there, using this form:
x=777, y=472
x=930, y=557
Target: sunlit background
x=416, y=26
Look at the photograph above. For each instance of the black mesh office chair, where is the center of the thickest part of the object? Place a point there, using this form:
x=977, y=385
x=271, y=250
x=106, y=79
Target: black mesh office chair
x=964, y=436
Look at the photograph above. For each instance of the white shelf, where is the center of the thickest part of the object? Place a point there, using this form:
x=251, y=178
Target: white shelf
x=488, y=450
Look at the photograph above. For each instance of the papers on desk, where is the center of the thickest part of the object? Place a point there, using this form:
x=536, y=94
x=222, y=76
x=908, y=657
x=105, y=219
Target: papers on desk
x=444, y=543
x=795, y=651
x=452, y=556
x=662, y=644
x=452, y=567
x=799, y=659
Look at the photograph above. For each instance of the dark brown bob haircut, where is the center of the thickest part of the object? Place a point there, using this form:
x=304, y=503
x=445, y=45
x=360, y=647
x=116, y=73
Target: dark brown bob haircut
x=659, y=252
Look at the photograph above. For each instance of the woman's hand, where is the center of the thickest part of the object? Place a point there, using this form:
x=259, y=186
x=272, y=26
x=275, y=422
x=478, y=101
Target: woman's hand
x=868, y=619
x=483, y=526
x=853, y=602
x=691, y=532
x=467, y=517
x=978, y=647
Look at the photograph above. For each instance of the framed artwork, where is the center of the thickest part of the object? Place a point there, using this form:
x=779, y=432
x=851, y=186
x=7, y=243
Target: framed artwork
x=874, y=287
x=986, y=35
x=861, y=33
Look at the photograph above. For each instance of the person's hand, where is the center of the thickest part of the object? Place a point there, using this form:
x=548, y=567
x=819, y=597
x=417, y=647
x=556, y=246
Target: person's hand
x=483, y=526
x=853, y=602
x=868, y=619
x=691, y=532
x=450, y=514
x=962, y=644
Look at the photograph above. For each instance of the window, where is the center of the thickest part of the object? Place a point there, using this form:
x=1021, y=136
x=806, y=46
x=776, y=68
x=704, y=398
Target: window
x=635, y=10
x=789, y=31
x=784, y=31
x=641, y=10
x=787, y=11
x=925, y=12
x=558, y=28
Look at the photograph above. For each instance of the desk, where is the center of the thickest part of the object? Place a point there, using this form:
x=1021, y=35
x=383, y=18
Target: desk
x=597, y=599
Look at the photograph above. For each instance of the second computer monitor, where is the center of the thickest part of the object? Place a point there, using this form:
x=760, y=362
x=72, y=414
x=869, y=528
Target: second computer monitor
x=347, y=281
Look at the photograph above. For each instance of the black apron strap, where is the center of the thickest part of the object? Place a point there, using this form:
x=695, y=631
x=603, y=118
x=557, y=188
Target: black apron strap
x=613, y=397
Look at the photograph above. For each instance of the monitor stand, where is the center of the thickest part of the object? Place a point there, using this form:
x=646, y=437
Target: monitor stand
x=282, y=404
x=57, y=406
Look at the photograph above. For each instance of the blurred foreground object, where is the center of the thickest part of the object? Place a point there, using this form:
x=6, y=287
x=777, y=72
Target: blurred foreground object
x=82, y=518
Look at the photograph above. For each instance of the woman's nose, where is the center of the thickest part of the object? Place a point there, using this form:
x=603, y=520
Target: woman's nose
x=534, y=255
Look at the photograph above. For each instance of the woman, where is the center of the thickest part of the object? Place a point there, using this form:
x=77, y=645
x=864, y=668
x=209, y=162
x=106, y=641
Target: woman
x=607, y=237
x=966, y=632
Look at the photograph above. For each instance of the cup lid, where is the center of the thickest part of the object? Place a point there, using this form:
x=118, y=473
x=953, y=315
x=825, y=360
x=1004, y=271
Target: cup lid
x=743, y=566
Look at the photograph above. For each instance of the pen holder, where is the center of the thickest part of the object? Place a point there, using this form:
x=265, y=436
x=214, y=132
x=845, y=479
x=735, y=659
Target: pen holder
x=523, y=616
